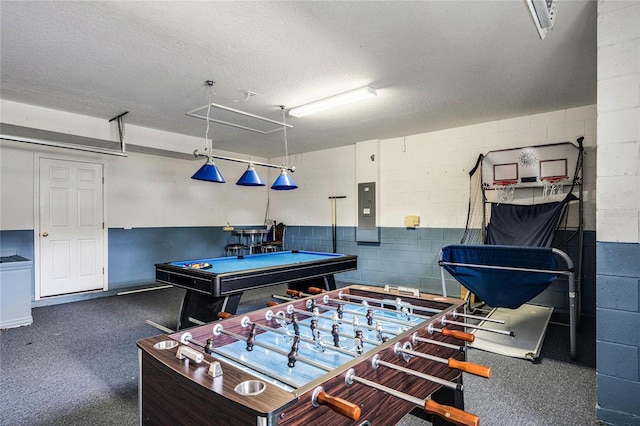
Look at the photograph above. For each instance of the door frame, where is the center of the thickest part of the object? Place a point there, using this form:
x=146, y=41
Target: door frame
x=36, y=220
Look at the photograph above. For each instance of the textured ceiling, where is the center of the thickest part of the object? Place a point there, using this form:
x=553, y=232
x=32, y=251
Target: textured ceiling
x=435, y=64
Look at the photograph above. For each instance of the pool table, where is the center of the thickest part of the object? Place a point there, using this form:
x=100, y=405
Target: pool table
x=217, y=284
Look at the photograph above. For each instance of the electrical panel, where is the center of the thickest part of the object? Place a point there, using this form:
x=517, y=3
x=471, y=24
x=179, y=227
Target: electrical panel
x=367, y=230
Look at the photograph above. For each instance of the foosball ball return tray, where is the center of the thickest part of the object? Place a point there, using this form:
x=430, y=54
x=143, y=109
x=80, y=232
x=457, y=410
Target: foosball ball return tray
x=356, y=356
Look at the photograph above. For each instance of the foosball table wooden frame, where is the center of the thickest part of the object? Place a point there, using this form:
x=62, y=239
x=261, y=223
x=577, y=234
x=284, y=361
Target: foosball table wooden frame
x=183, y=380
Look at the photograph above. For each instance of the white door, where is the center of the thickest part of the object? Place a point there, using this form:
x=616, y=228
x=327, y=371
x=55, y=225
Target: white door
x=71, y=227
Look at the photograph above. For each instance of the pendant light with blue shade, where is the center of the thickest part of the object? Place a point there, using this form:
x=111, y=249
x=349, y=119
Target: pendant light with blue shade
x=284, y=182
x=250, y=177
x=208, y=172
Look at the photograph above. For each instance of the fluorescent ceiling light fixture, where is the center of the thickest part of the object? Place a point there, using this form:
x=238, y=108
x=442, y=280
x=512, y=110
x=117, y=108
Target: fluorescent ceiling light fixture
x=543, y=12
x=333, y=101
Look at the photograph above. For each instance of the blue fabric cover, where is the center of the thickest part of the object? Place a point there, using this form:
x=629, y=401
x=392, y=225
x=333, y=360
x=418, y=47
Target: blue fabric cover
x=501, y=288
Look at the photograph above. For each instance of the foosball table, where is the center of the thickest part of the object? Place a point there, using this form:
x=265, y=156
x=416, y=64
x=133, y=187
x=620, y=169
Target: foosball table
x=356, y=356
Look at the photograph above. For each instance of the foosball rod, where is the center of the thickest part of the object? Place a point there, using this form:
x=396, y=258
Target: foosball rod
x=467, y=367
x=460, y=335
x=459, y=348
x=291, y=309
x=415, y=307
x=221, y=315
x=456, y=334
x=187, y=338
x=365, y=303
x=350, y=337
x=218, y=329
x=478, y=327
x=451, y=414
x=280, y=316
x=184, y=338
x=254, y=367
x=416, y=338
x=342, y=294
x=159, y=327
x=245, y=322
x=377, y=362
x=316, y=290
x=354, y=313
x=190, y=353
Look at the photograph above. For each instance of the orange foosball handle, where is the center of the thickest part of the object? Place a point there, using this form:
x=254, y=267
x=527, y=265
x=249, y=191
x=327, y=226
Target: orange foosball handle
x=272, y=303
x=339, y=405
x=295, y=293
x=453, y=415
x=316, y=290
x=461, y=335
x=470, y=367
x=224, y=315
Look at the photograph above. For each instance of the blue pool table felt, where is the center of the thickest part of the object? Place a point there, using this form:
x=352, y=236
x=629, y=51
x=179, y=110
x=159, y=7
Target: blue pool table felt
x=223, y=265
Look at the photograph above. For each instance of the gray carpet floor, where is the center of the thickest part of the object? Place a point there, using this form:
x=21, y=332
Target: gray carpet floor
x=77, y=365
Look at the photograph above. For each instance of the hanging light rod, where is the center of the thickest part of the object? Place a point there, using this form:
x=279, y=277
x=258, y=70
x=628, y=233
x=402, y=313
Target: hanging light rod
x=210, y=173
x=333, y=101
x=197, y=154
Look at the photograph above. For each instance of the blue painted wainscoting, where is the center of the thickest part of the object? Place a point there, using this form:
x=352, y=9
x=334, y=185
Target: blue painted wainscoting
x=404, y=257
x=134, y=252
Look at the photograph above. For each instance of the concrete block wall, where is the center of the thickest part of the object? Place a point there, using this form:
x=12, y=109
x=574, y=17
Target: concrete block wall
x=618, y=216
x=408, y=257
x=405, y=257
x=427, y=174
x=618, y=333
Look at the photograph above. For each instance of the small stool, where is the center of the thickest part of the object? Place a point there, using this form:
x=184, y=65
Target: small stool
x=234, y=249
x=268, y=248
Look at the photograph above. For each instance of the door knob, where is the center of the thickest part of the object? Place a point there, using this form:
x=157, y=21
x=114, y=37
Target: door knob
x=45, y=234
